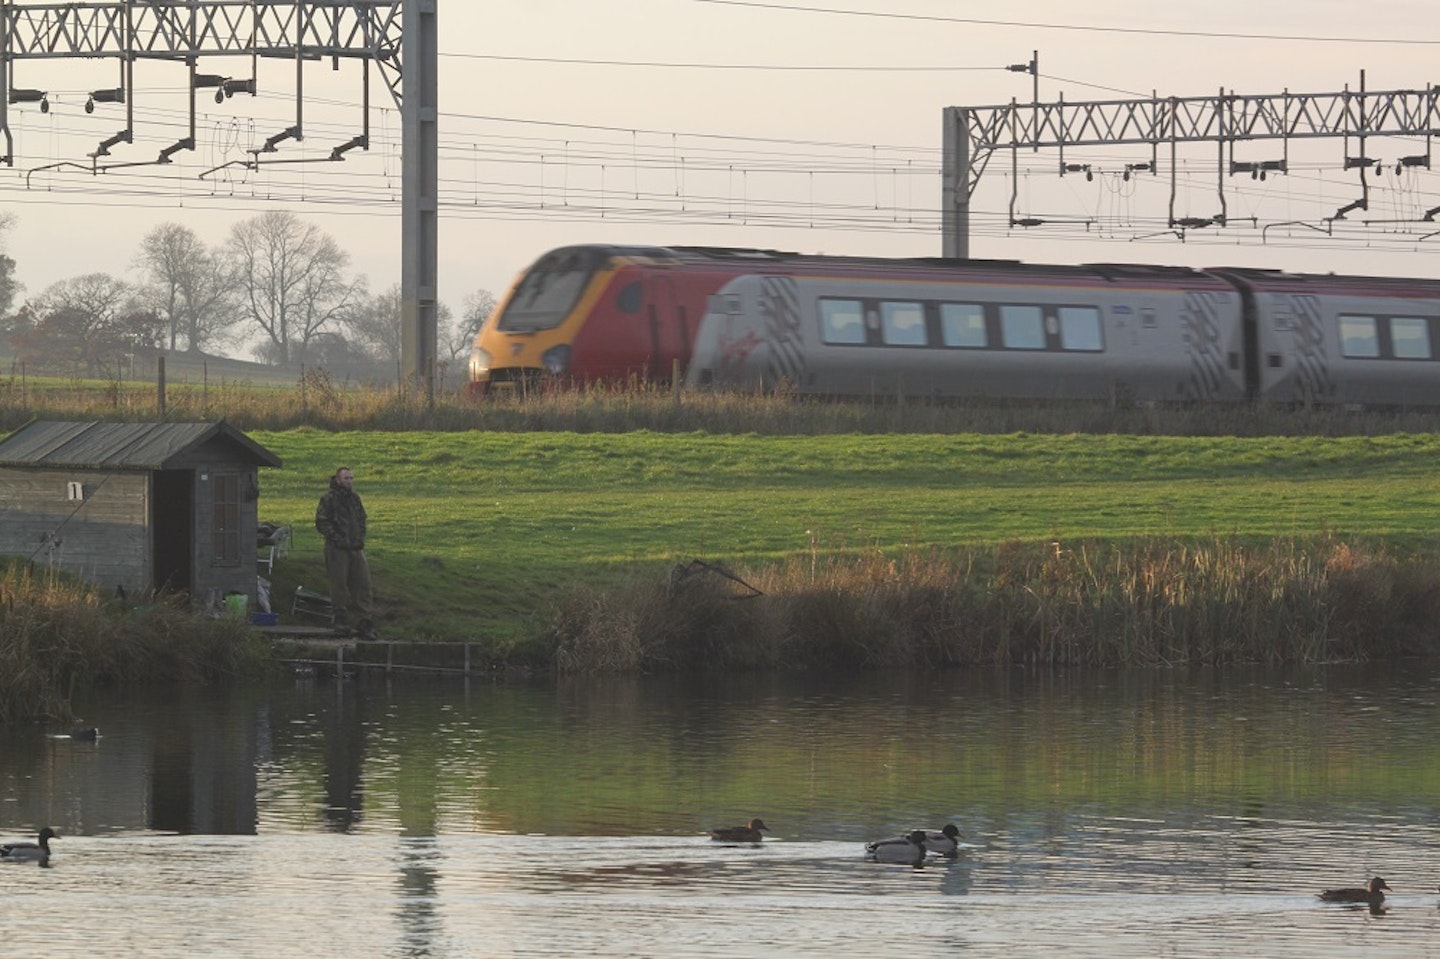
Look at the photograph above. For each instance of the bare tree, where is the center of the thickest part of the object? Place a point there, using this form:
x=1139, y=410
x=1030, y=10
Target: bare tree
x=457, y=338
x=191, y=287
x=377, y=328
x=292, y=281
x=89, y=324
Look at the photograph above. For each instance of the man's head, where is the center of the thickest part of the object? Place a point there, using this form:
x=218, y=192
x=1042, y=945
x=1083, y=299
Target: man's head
x=343, y=477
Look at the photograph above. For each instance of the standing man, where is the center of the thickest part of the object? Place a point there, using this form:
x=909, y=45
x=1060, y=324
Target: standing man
x=340, y=518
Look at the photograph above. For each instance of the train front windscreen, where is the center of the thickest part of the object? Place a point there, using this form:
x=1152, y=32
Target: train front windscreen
x=549, y=290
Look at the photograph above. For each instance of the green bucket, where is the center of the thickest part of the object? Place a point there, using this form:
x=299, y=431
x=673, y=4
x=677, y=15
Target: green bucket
x=237, y=604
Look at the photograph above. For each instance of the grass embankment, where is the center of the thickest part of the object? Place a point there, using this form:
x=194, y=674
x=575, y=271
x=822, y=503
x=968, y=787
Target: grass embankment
x=562, y=548
x=549, y=528
x=60, y=636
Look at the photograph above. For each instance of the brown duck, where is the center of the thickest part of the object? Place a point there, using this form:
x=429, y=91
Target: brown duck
x=750, y=833
x=1371, y=894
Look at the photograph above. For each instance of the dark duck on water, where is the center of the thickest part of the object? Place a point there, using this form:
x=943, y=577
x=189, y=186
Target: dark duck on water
x=750, y=833
x=944, y=840
x=908, y=849
x=1371, y=894
x=26, y=851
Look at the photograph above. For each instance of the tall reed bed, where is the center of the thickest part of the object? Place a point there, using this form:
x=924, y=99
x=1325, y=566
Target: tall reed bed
x=59, y=637
x=1137, y=603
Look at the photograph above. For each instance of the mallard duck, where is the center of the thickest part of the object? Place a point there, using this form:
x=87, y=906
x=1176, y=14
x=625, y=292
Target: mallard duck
x=17, y=851
x=750, y=833
x=909, y=848
x=1371, y=893
x=945, y=841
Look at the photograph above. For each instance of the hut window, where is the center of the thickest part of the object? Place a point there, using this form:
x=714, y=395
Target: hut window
x=225, y=525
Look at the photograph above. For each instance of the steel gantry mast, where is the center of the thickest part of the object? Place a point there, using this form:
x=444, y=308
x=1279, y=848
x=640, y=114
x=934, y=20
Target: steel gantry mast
x=398, y=37
x=972, y=136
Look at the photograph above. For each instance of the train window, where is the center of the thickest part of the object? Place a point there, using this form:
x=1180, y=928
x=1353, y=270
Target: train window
x=1022, y=328
x=842, y=321
x=1358, y=336
x=1410, y=337
x=902, y=324
x=962, y=324
x=545, y=296
x=629, y=298
x=1080, y=329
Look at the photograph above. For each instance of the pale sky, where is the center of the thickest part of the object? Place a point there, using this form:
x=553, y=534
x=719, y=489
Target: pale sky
x=652, y=121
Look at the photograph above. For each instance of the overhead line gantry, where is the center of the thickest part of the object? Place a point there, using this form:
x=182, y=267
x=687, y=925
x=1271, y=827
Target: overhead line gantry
x=973, y=135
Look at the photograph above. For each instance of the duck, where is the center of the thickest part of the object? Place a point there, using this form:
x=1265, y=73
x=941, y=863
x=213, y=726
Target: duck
x=88, y=733
x=1371, y=894
x=749, y=833
x=20, y=851
x=944, y=841
x=909, y=849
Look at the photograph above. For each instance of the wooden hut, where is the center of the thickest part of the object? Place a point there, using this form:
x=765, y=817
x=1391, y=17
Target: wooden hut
x=138, y=507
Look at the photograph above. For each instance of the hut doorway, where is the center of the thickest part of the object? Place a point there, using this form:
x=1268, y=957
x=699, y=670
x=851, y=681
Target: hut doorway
x=172, y=518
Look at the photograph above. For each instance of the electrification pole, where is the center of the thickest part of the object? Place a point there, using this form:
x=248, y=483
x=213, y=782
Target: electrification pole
x=420, y=187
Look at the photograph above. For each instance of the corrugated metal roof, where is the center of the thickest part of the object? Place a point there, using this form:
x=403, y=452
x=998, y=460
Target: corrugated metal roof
x=111, y=446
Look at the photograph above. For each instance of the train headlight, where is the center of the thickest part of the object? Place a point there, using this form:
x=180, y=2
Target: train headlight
x=556, y=359
x=479, y=365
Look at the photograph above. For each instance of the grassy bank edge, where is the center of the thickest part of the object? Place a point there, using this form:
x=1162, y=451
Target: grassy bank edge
x=1151, y=602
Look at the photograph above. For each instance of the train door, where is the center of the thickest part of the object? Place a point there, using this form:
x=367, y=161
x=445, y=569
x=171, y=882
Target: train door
x=667, y=328
x=1297, y=365
x=1250, y=341
x=1267, y=354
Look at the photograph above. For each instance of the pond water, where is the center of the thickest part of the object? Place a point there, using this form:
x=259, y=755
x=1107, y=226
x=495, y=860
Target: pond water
x=1105, y=814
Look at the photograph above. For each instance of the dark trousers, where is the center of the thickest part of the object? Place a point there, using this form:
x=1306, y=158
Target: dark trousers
x=349, y=584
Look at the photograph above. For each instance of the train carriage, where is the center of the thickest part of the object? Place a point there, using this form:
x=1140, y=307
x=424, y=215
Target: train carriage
x=1343, y=340
x=979, y=330
x=868, y=326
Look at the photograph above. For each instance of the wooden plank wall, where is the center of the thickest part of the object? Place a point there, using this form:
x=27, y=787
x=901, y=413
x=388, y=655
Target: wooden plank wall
x=103, y=538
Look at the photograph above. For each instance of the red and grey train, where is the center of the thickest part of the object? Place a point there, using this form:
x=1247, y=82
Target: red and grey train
x=837, y=326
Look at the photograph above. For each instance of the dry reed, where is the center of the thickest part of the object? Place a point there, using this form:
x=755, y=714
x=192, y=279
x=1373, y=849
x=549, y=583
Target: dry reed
x=58, y=637
x=1144, y=603
x=315, y=398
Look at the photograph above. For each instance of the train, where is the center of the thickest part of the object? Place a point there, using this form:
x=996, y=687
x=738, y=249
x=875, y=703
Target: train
x=836, y=326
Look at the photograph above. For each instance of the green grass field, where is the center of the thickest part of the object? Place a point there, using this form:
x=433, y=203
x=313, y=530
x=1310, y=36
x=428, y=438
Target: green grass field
x=480, y=535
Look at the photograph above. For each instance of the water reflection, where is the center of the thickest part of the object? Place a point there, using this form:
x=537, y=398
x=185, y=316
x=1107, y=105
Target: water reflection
x=1010, y=756
x=1106, y=813
x=417, y=919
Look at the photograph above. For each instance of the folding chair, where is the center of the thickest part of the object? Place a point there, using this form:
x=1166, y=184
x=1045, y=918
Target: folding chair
x=271, y=543
x=307, y=602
